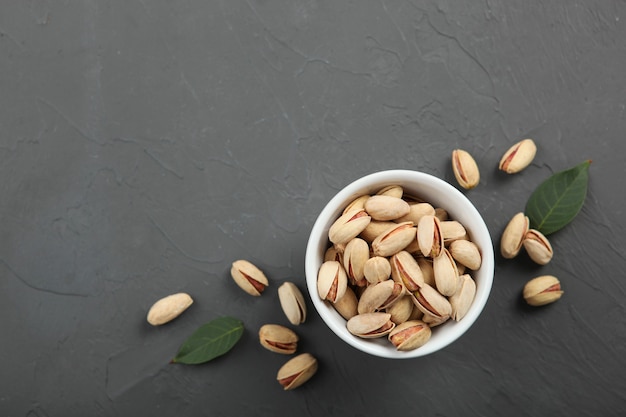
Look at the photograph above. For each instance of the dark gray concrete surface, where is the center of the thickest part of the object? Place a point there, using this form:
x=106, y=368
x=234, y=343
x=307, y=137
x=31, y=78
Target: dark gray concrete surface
x=145, y=145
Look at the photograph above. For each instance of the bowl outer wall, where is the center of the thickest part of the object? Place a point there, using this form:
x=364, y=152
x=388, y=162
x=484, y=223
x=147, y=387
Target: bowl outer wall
x=440, y=194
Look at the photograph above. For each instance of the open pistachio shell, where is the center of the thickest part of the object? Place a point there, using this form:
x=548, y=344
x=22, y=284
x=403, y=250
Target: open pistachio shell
x=405, y=269
x=538, y=247
x=430, y=302
x=292, y=303
x=356, y=253
x=394, y=239
x=542, y=290
x=249, y=278
x=356, y=204
x=331, y=281
x=518, y=156
x=279, y=339
x=297, y=371
x=379, y=296
x=348, y=226
x=446, y=273
x=370, y=325
x=429, y=236
x=410, y=335
x=513, y=236
x=462, y=299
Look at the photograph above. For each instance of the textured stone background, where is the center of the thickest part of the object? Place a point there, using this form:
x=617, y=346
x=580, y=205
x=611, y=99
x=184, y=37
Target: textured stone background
x=145, y=145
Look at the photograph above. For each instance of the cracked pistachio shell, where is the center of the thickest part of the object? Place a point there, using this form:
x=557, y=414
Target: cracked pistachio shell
x=249, y=278
x=297, y=371
x=332, y=281
x=346, y=306
x=401, y=310
x=332, y=254
x=356, y=253
x=466, y=253
x=428, y=273
x=356, y=204
x=380, y=296
x=370, y=325
x=462, y=299
x=434, y=321
x=348, y=226
x=465, y=169
x=538, y=247
x=279, y=339
x=429, y=236
x=391, y=191
x=374, y=229
x=446, y=273
x=542, y=290
x=292, y=303
x=168, y=308
x=518, y=157
x=513, y=235
x=394, y=239
x=406, y=270
x=431, y=302
x=410, y=335
x=451, y=231
x=385, y=207
x=417, y=211
x=376, y=269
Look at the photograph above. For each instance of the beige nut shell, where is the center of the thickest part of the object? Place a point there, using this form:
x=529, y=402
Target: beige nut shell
x=168, y=308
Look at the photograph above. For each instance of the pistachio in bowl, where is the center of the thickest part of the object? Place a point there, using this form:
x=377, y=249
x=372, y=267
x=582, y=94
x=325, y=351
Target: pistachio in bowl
x=399, y=264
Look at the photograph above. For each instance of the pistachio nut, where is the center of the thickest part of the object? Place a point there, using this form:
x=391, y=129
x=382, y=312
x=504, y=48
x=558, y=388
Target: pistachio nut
x=394, y=239
x=401, y=310
x=513, y=235
x=466, y=253
x=374, y=229
x=331, y=281
x=332, y=254
x=168, y=308
x=542, y=290
x=380, y=296
x=428, y=273
x=465, y=169
x=410, y=335
x=297, y=371
x=376, y=269
x=279, y=339
x=356, y=204
x=249, y=278
x=429, y=236
x=429, y=301
x=392, y=191
x=292, y=303
x=348, y=226
x=433, y=320
x=370, y=325
x=518, y=157
x=356, y=253
x=446, y=273
x=384, y=207
x=406, y=270
x=538, y=247
x=441, y=214
x=451, y=231
x=346, y=306
x=417, y=211
x=462, y=299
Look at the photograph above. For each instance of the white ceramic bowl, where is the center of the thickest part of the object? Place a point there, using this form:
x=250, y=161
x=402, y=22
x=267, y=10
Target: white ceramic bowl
x=440, y=194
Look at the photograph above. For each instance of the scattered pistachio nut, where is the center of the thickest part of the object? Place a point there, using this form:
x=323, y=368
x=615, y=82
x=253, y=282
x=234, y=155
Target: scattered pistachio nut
x=465, y=169
x=538, y=247
x=249, y=278
x=297, y=371
x=292, y=303
x=518, y=156
x=168, y=308
x=513, y=235
x=542, y=290
x=279, y=339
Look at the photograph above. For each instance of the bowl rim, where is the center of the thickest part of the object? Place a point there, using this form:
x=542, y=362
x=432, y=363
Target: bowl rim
x=463, y=208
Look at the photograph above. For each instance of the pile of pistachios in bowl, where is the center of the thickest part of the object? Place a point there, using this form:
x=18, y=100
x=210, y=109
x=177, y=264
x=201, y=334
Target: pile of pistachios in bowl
x=396, y=266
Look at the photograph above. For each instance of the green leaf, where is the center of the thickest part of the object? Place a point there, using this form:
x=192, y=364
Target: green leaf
x=211, y=340
x=558, y=199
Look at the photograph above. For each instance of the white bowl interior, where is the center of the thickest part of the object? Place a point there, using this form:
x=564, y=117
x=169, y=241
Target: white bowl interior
x=440, y=194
